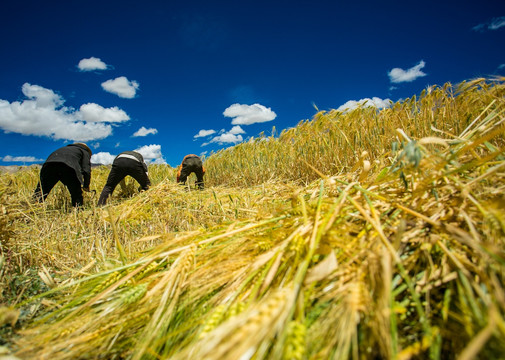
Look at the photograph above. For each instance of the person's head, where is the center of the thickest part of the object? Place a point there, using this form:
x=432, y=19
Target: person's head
x=84, y=146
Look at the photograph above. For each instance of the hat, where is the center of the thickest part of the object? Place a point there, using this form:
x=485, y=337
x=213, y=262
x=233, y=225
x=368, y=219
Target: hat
x=86, y=147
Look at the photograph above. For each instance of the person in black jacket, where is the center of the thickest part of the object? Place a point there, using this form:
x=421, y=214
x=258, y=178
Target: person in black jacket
x=71, y=165
x=127, y=163
x=191, y=164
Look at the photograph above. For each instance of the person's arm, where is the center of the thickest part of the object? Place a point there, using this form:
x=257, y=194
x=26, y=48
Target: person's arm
x=86, y=170
x=147, y=174
x=179, y=168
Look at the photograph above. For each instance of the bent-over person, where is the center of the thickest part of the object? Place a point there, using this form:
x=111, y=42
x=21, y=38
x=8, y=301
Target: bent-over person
x=127, y=163
x=71, y=165
x=191, y=164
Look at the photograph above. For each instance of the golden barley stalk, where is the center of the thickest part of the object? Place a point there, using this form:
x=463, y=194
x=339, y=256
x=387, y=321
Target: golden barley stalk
x=244, y=334
x=167, y=291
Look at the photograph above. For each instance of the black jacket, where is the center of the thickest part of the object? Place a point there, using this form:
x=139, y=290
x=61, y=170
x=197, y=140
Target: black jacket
x=78, y=158
x=137, y=156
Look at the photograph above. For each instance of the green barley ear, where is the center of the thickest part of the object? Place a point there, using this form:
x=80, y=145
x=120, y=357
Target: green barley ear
x=109, y=280
x=264, y=245
x=134, y=294
x=149, y=268
x=235, y=309
x=295, y=346
x=213, y=321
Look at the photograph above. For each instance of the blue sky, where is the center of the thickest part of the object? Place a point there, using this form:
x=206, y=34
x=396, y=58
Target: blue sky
x=170, y=78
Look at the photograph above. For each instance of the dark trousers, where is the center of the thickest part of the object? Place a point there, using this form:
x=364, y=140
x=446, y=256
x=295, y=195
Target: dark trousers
x=53, y=172
x=192, y=165
x=120, y=169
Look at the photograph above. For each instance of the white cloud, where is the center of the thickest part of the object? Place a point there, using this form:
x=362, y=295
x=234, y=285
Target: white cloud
x=366, y=102
x=497, y=23
x=152, y=154
x=43, y=114
x=9, y=158
x=104, y=158
x=144, y=132
x=249, y=114
x=236, y=130
x=95, y=113
x=480, y=28
x=91, y=64
x=398, y=75
x=494, y=24
x=227, y=138
x=122, y=87
x=44, y=98
x=204, y=133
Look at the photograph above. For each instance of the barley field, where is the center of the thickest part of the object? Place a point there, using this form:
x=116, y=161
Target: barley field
x=361, y=235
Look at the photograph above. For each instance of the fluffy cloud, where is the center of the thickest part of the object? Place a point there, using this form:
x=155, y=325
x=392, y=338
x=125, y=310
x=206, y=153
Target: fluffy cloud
x=43, y=98
x=204, y=133
x=91, y=64
x=227, y=138
x=9, y=158
x=96, y=113
x=367, y=102
x=152, y=154
x=497, y=23
x=249, y=114
x=236, y=130
x=103, y=158
x=144, y=132
x=398, y=75
x=494, y=24
x=43, y=114
x=122, y=87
